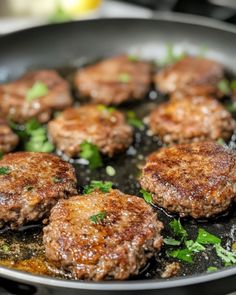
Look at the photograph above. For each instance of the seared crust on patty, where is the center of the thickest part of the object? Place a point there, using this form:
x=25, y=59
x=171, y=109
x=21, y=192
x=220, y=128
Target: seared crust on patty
x=30, y=184
x=8, y=139
x=191, y=75
x=14, y=103
x=197, y=179
x=97, y=124
x=117, y=246
x=189, y=119
x=114, y=80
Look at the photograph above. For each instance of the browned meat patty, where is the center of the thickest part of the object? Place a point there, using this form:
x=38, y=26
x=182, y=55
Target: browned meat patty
x=191, y=119
x=16, y=104
x=30, y=184
x=8, y=139
x=97, y=124
x=113, y=246
x=114, y=80
x=192, y=75
x=196, y=179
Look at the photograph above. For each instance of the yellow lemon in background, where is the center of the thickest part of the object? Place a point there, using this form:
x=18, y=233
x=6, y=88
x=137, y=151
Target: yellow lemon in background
x=77, y=7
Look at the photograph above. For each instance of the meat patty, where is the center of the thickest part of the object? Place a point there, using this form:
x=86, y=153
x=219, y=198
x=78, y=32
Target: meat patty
x=18, y=103
x=102, y=235
x=8, y=139
x=104, y=127
x=30, y=184
x=191, y=119
x=196, y=179
x=192, y=75
x=114, y=80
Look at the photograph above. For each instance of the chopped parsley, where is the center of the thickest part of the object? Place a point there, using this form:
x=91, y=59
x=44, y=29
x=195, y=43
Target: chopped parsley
x=91, y=153
x=60, y=15
x=227, y=256
x=194, y=246
x=4, y=170
x=171, y=57
x=124, y=78
x=221, y=141
x=56, y=180
x=98, y=217
x=5, y=248
x=103, y=186
x=233, y=84
x=231, y=107
x=178, y=229
x=205, y=237
x=182, y=254
x=212, y=268
x=189, y=247
x=133, y=58
x=110, y=171
x=33, y=136
x=102, y=108
x=171, y=242
x=38, y=90
x=134, y=121
x=224, y=86
x=146, y=195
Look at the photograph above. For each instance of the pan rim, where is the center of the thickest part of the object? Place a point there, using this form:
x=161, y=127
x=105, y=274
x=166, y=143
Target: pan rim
x=139, y=284
x=116, y=285
x=157, y=16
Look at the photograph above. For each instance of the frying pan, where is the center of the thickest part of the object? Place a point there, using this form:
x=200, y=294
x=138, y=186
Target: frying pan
x=54, y=46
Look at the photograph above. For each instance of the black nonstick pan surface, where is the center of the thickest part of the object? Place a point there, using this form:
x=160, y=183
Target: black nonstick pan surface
x=72, y=45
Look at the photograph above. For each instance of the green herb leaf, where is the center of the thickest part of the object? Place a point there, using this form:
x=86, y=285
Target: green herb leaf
x=133, y=58
x=205, y=237
x=4, y=170
x=32, y=125
x=91, y=153
x=134, y=121
x=231, y=107
x=124, y=78
x=225, y=255
x=212, y=268
x=146, y=195
x=194, y=246
x=39, y=145
x=56, y=180
x=224, y=86
x=181, y=254
x=60, y=15
x=34, y=137
x=233, y=84
x=221, y=141
x=103, y=108
x=171, y=242
x=5, y=248
x=98, y=217
x=110, y=170
x=103, y=186
x=178, y=229
x=38, y=90
x=171, y=57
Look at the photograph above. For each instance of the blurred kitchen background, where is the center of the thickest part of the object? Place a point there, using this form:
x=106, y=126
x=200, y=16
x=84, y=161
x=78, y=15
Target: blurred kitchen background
x=18, y=14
